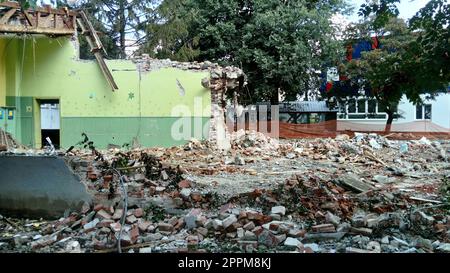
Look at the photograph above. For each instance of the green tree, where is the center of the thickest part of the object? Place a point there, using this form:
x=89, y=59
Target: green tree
x=26, y=3
x=169, y=33
x=279, y=44
x=431, y=23
x=115, y=20
x=284, y=45
x=413, y=59
x=381, y=10
x=388, y=72
x=119, y=20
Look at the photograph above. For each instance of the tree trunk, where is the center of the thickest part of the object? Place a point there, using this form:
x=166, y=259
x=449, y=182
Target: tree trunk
x=275, y=99
x=390, y=119
x=122, y=27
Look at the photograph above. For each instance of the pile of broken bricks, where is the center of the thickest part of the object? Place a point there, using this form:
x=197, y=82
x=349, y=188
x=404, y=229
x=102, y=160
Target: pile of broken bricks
x=322, y=211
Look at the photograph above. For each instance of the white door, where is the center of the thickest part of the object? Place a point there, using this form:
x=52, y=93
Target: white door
x=50, y=116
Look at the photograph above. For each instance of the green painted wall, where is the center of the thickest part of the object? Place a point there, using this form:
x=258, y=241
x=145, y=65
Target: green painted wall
x=2, y=73
x=152, y=131
x=23, y=128
x=143, y=107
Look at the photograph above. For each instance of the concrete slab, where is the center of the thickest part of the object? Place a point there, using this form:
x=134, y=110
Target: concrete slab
x=39, y=186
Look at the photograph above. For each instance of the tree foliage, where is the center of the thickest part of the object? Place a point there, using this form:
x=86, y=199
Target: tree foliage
x=27, y=3
x=118, y=20
x=413, y=59
x=432, y=24
x=388, y=72
x=382, y=11
x=170, y=34
x=115, y=20
x=279, y=44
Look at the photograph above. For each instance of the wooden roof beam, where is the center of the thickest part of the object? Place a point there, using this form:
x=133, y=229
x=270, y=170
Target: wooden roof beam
x=35, y=30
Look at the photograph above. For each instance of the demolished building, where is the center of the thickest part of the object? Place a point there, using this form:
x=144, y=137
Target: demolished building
x=362, y=194
x=46, y=90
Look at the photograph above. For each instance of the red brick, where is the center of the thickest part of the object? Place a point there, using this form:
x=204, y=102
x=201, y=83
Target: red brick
x=117, y=214
x=325, y=228
x=297, y=233
x=98, y=207
x=180, y=224
x=165, y=227
x=268, y=239
x=85, y=208
x=201, y=220
x=125, y=240
x=184, y=184
x=226, y=207
x=93, y=176
x=107, y=178
x=134, y=234
x=196, y=196
x=115, y=227
x=258, y=230
x=99, y=245
x=103, y=215
x=105, y=223
x=105, y=185
x=138, y=212
x=192, y=240
x=173, y=221
x=319, y=215
x=242, y=215
x=251, y=215
x=274, y=226
x=202, y=231
x=264, y=220
x=308, y=250
x=249, y=226
x=131, y=219
x=144, y=225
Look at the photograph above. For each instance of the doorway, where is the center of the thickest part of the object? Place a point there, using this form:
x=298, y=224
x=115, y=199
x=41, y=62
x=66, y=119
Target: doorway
x=50, y=122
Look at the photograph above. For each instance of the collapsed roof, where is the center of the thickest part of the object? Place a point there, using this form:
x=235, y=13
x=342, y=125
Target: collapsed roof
x=40, y=20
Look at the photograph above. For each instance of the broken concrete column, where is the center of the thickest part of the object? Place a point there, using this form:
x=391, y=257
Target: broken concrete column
x=221, y=80
x=219, y=131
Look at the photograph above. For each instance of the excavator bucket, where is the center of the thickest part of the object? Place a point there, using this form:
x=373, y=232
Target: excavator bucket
x=39, y=186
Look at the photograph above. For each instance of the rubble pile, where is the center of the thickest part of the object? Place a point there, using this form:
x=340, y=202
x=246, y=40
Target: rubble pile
x=225, y=78
x=366, y=194
x=7, y=142
x=254, y=143
x=146, y=64
x=221, y=78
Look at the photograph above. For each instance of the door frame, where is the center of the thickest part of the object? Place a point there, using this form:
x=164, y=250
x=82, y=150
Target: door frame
x=37, y=119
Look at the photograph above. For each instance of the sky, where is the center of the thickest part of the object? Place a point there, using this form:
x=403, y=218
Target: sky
x=407, y=8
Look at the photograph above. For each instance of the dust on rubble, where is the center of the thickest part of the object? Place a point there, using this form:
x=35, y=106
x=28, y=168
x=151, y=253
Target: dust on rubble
x=365, y=194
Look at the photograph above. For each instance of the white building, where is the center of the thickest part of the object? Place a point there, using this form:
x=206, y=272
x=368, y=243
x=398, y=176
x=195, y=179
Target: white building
x=362, y=114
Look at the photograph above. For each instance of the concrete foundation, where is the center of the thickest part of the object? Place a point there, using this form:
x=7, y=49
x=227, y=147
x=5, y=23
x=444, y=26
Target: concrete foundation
x=39, y=187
